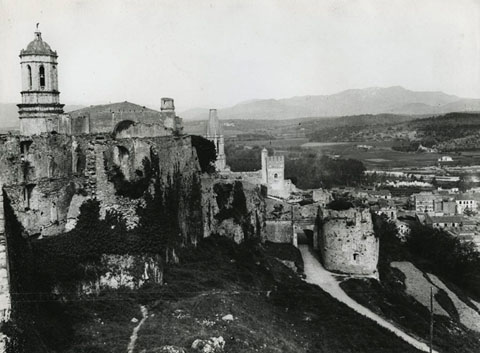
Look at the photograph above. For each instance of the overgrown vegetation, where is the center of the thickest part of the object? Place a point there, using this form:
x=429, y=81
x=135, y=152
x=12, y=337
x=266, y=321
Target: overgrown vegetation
x=39, y=266
x=273, y=309
x=206, y=153
x=340, y=204
x=449, y=132
x=451, y=257
x=241, y=159
x=139, y=185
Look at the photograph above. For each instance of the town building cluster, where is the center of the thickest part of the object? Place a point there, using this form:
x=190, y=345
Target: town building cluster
x=450, y=210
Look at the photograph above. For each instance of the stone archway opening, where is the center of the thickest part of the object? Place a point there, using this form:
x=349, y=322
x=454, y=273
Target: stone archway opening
x=122, y=126
x=304, y=237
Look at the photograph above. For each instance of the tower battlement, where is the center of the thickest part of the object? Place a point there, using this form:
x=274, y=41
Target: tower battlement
x=276, y=161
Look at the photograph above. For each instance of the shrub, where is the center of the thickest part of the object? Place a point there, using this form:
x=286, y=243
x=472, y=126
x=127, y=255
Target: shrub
x=206, y=153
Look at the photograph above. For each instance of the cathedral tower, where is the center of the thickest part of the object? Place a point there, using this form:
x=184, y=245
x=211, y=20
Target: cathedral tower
x=40, y=107
x=215, y=134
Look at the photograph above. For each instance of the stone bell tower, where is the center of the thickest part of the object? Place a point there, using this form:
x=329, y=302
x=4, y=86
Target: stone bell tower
x=40, y=108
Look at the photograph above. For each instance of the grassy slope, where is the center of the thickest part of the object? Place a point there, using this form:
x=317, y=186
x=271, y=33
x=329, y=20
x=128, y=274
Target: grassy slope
x=389, y=300
x=274, y=310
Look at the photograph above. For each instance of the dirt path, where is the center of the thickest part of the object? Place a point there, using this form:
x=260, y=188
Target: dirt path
x=316, y=274
x=134, y=336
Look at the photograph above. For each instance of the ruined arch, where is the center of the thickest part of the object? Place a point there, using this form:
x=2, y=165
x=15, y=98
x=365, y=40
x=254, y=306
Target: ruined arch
x=122, y=126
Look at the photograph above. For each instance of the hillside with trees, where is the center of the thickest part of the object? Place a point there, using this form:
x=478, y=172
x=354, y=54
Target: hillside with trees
x=450, y=132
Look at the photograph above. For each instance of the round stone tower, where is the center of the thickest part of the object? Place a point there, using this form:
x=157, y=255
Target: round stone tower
x=40, y=105
x=347, y=242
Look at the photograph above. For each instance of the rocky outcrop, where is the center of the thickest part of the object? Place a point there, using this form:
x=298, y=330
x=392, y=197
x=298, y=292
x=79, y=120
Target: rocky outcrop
x=233, y=208
x=211, y=345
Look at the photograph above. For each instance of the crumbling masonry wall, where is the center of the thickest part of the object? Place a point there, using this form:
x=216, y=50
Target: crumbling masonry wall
x=347, y=242
x=233, y=208
x=47, y=177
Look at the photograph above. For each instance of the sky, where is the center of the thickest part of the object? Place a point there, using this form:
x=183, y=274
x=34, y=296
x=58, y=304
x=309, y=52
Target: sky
x=219, y=53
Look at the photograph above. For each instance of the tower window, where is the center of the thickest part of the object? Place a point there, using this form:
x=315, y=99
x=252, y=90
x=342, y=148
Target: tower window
x=42, y=76
x=29, y=77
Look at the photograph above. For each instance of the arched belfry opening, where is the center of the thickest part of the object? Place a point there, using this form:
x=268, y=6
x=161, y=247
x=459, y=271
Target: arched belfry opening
x=41, y=74
x=29, y=77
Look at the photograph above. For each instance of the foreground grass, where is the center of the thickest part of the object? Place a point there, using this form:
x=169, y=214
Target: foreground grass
x=273, y=309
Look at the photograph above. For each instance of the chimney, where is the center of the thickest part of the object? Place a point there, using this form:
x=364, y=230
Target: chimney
x=167, y=104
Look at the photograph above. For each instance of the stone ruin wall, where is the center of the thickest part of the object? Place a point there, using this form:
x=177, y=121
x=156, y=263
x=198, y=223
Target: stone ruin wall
x=279, y=231
x=347, y=242
x=285, y=221
x=48, y=177
x=249, y=222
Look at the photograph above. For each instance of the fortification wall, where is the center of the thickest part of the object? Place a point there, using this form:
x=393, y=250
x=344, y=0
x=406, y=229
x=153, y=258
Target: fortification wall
x=347, y=241
x=279, y=231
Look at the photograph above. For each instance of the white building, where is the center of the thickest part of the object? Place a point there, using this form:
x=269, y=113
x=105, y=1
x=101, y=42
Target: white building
x=445, y=159
x=465, y=202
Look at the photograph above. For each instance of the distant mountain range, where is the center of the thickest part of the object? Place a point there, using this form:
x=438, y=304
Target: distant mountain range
x=375, y=100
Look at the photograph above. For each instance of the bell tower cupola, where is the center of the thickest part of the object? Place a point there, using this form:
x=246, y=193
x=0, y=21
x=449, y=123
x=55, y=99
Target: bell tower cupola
x=40, y=105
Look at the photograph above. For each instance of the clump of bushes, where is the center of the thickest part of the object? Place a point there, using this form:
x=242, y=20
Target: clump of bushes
x=136, y=188
x=340, y=205
x=206, y=153
x=455, y=259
